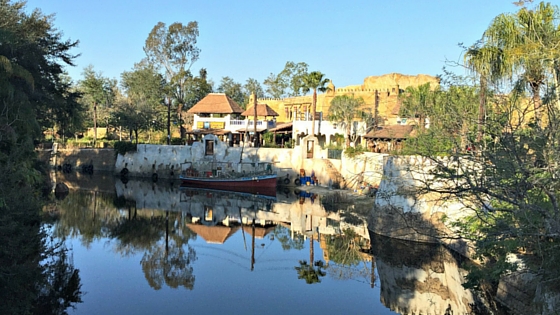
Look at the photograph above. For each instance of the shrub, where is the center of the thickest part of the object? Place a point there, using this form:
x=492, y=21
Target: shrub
x=121, y=147
x=177, y=141
x=354, y=151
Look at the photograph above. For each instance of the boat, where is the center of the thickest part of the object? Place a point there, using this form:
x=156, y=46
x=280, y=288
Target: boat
x=254, y=178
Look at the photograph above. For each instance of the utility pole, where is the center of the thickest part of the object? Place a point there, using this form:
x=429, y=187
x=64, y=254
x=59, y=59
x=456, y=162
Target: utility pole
x=255, y=118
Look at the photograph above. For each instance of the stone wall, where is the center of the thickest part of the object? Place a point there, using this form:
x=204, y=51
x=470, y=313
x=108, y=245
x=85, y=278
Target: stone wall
x=402, y=211
x=101, y=159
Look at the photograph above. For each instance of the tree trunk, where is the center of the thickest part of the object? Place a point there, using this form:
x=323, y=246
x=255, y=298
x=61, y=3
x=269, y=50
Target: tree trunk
x=311, y=251
x=94, y=123
x=313, y=109
x=255, y=119
x=168, y=122
x=535, y=87
x=481, y=109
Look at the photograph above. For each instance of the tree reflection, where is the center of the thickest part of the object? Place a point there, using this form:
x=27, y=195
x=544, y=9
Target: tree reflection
x=309, y=272
x=348, y=258
x=172, y=267
x=137, y=233
x=62, y=286
x=170, y=263
x=282, y=234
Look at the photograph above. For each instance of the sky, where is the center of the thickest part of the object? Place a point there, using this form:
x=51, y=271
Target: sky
x=346, y=40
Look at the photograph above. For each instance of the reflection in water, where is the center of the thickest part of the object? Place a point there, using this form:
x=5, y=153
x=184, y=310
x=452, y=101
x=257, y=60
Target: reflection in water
x=419, y=278
x=168, y=229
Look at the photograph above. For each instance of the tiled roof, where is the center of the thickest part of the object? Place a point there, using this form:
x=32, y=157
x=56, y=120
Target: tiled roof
x=260, y=232
x=213, y=234
x=262, y=110
x=391, y=132
x=216, y=103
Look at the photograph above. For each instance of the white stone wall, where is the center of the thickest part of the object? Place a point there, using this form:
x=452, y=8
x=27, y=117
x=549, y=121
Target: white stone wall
x=166, y=160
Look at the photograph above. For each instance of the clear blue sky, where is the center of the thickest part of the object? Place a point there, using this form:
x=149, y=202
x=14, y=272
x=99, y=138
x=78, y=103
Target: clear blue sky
x=346, y=40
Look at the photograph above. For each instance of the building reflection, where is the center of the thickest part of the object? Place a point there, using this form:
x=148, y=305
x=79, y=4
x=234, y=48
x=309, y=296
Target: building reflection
x=160, y=219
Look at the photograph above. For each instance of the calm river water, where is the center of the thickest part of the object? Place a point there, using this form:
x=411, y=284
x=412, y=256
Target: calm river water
x=156, y=248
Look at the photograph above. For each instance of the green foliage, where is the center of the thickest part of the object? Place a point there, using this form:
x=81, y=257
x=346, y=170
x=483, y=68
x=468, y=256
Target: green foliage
x=344, y=109
x=34, y=96
x=283, y=235
x=311, y=274
x=352, y=152
x=122, y=147
x=177, y=141
x=289, y=82
x=344, y=249
x=234, y=90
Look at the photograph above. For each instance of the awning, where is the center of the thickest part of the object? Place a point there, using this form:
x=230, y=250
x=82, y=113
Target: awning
x=283, y=128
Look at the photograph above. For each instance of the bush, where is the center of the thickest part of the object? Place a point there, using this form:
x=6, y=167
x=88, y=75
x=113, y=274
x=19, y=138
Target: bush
x=121, y=147
x=354, y=151
x=177, y=141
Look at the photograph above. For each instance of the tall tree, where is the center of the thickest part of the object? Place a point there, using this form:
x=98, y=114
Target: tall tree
x=314, y=80
x=234, y=90
x=252, y=86
x=417, y=102
x=344, y=109
x=519, y=48
x=275, y=86
x=293, y=74
x=145, y=89
x=174, y=49
x=289, y=82
x=97, y=91
x=32, y=59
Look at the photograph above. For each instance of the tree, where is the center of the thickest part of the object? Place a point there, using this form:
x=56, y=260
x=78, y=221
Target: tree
x=97, y=90
x=417, y=102
x=32, y=59
x=233, y=89
x=145, y=89
x=197, y=88
x=519, y=48
x=252, y=86
x=293, y=74
x=289, y=82
x=343, y=110
x=314, y=80
x=174, y=49
x=509, y=188
x=275, y=86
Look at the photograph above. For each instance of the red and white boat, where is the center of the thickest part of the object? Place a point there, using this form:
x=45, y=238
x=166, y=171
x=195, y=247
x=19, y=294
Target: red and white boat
x=255, y=178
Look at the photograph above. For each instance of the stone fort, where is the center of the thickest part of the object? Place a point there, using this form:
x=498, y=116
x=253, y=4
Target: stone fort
x=380, y=93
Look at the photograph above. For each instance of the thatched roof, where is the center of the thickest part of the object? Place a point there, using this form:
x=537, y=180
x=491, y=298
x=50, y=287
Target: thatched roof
x=213, y=234
x=263, y=110
x=392, y=132
x=216, y=103
x=260, y=232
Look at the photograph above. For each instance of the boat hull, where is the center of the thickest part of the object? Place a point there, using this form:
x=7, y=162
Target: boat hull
x=263, y=184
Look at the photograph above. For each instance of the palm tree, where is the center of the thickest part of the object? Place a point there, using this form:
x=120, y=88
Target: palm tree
x=416, y=102
x=314, y=80
x=344, y=109
x=519, y=48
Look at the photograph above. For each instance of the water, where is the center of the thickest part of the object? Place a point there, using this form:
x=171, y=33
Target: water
x=153, y=248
